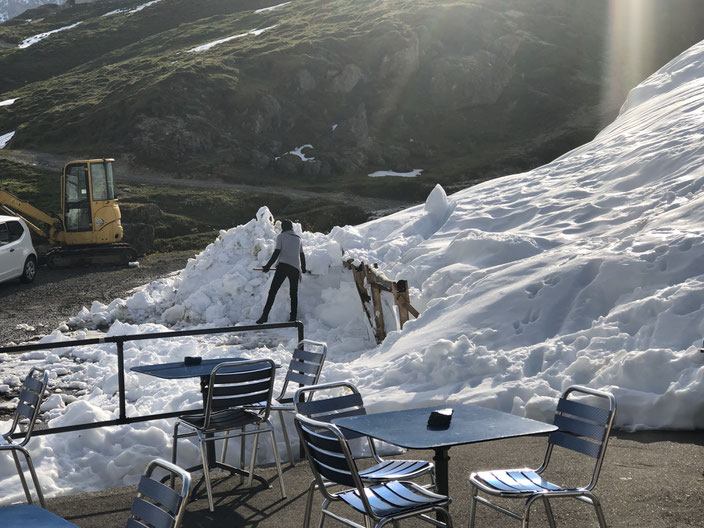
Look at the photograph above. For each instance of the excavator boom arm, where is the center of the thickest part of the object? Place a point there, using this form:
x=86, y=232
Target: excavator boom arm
x=15, y=206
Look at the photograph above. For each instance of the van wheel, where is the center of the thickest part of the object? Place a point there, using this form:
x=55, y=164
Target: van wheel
x=30, y=269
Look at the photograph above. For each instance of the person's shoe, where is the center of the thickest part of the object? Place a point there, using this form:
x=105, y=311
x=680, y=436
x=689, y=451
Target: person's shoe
x=262, y=319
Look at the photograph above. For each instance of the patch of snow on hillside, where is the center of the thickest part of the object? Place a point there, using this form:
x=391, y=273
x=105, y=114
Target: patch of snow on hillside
x=209, y=45
x=382, y=173
x=5, y=139
x=271, y=8
x=130, y=11
x=41, y=36
x=298, y=151
x=8, y=102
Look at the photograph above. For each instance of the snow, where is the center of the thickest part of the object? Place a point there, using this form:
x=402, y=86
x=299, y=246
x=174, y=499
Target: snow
x=41, y=36
x=8, y=102
x=588, y=270
x=5, y=139
x=271, y=8
x=409, y=174
x=298, y=151
x=214, y=43
x=130, y=11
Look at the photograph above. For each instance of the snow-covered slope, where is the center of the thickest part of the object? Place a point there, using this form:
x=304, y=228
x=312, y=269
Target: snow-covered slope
x=588, y=270
x=11, y=8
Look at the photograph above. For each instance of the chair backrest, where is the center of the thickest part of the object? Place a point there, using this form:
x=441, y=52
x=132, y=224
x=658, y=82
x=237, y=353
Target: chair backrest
x=157, y=505
x=305, y=366
x=308, y=402
x=583, y=428
x=329, y=456
x=30, y=399
x=240, y=383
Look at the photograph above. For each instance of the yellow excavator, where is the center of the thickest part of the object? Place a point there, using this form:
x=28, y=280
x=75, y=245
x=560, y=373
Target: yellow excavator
x=89, y=229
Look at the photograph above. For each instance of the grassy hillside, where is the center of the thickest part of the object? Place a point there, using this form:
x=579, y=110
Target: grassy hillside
x=466, y=90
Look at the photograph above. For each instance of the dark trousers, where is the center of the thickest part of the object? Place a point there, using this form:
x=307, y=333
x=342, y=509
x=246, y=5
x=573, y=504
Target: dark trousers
x=283, y=271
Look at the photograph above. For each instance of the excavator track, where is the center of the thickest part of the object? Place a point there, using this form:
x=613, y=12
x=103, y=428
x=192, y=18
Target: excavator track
x=105, y=254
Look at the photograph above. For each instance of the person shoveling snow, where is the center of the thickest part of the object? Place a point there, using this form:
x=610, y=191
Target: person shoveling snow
x=292, y=262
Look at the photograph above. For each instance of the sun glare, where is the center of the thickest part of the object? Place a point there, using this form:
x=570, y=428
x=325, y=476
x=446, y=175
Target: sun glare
x=632, y=40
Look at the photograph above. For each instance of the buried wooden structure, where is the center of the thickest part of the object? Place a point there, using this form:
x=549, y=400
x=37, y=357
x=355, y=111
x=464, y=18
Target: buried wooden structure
x=369, y=277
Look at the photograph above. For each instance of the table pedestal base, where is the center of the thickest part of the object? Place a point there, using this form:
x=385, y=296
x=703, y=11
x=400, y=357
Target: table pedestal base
x=441, y=460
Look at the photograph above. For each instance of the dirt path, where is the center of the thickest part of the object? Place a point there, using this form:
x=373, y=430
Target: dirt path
x=29, y=311
x=375, y=207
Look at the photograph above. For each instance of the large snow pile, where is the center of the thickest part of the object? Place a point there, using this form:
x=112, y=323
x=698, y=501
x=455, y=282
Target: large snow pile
x=587, y=270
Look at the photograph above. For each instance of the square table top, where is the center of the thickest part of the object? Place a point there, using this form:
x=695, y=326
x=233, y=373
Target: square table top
x=179, y=370
x=470, y=423
x=26, y=515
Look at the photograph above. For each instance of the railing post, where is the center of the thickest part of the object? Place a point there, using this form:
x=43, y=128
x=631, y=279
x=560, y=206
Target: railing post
x=121, y=377
x=299, y=327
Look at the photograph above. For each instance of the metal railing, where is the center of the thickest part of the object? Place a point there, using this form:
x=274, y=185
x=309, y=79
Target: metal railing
x=120, y=341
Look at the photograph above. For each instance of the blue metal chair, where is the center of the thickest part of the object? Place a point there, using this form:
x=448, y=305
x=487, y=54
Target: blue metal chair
x=155, y=506
x=583, y=429
x=331, y=461
x=304, y=369
x=347, y=401
x=233, y=388
x=158, y=505
x=30, y=399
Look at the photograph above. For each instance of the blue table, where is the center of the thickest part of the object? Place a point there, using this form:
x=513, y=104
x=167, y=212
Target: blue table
x=470, y=424
x=31, y=516
x=179, y=370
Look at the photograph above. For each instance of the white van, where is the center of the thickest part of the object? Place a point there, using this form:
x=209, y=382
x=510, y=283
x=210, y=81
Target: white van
x=17, y=255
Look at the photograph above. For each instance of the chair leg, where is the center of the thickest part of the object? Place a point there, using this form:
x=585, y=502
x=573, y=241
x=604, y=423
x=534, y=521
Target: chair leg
x=288, y=443
x=473, y=506
x=32, y=474
x=20, y=474
x=243, y=446
x=278, y=463
x=548, y=512
x=526, y=511
x=223, y=453
x=448, y=519
x=599, y=512
x=326, y=503
x=309, y=504
x=35, y=480
x=254, y=457
x=206, y=474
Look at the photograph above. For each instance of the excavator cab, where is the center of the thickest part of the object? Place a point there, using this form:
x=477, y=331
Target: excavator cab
x=89, y=230
x=90, y=211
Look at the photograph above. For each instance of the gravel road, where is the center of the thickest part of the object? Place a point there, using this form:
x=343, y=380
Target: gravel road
x=29, y=311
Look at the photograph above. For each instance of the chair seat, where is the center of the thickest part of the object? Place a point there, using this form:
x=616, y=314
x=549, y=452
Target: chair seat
x=30, y=515
x=222, y=420
x=396, y=470
x=394, y=498
x=512, y=482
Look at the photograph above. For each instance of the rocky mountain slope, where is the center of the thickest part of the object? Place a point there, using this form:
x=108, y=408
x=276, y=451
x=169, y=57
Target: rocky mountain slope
x=227, y=89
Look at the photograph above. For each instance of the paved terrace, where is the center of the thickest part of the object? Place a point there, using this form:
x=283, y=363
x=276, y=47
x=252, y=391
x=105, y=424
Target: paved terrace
x=649, y=479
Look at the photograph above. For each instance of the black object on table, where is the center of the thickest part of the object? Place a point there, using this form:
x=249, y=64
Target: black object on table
x=469, y=424
x=202, y=369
